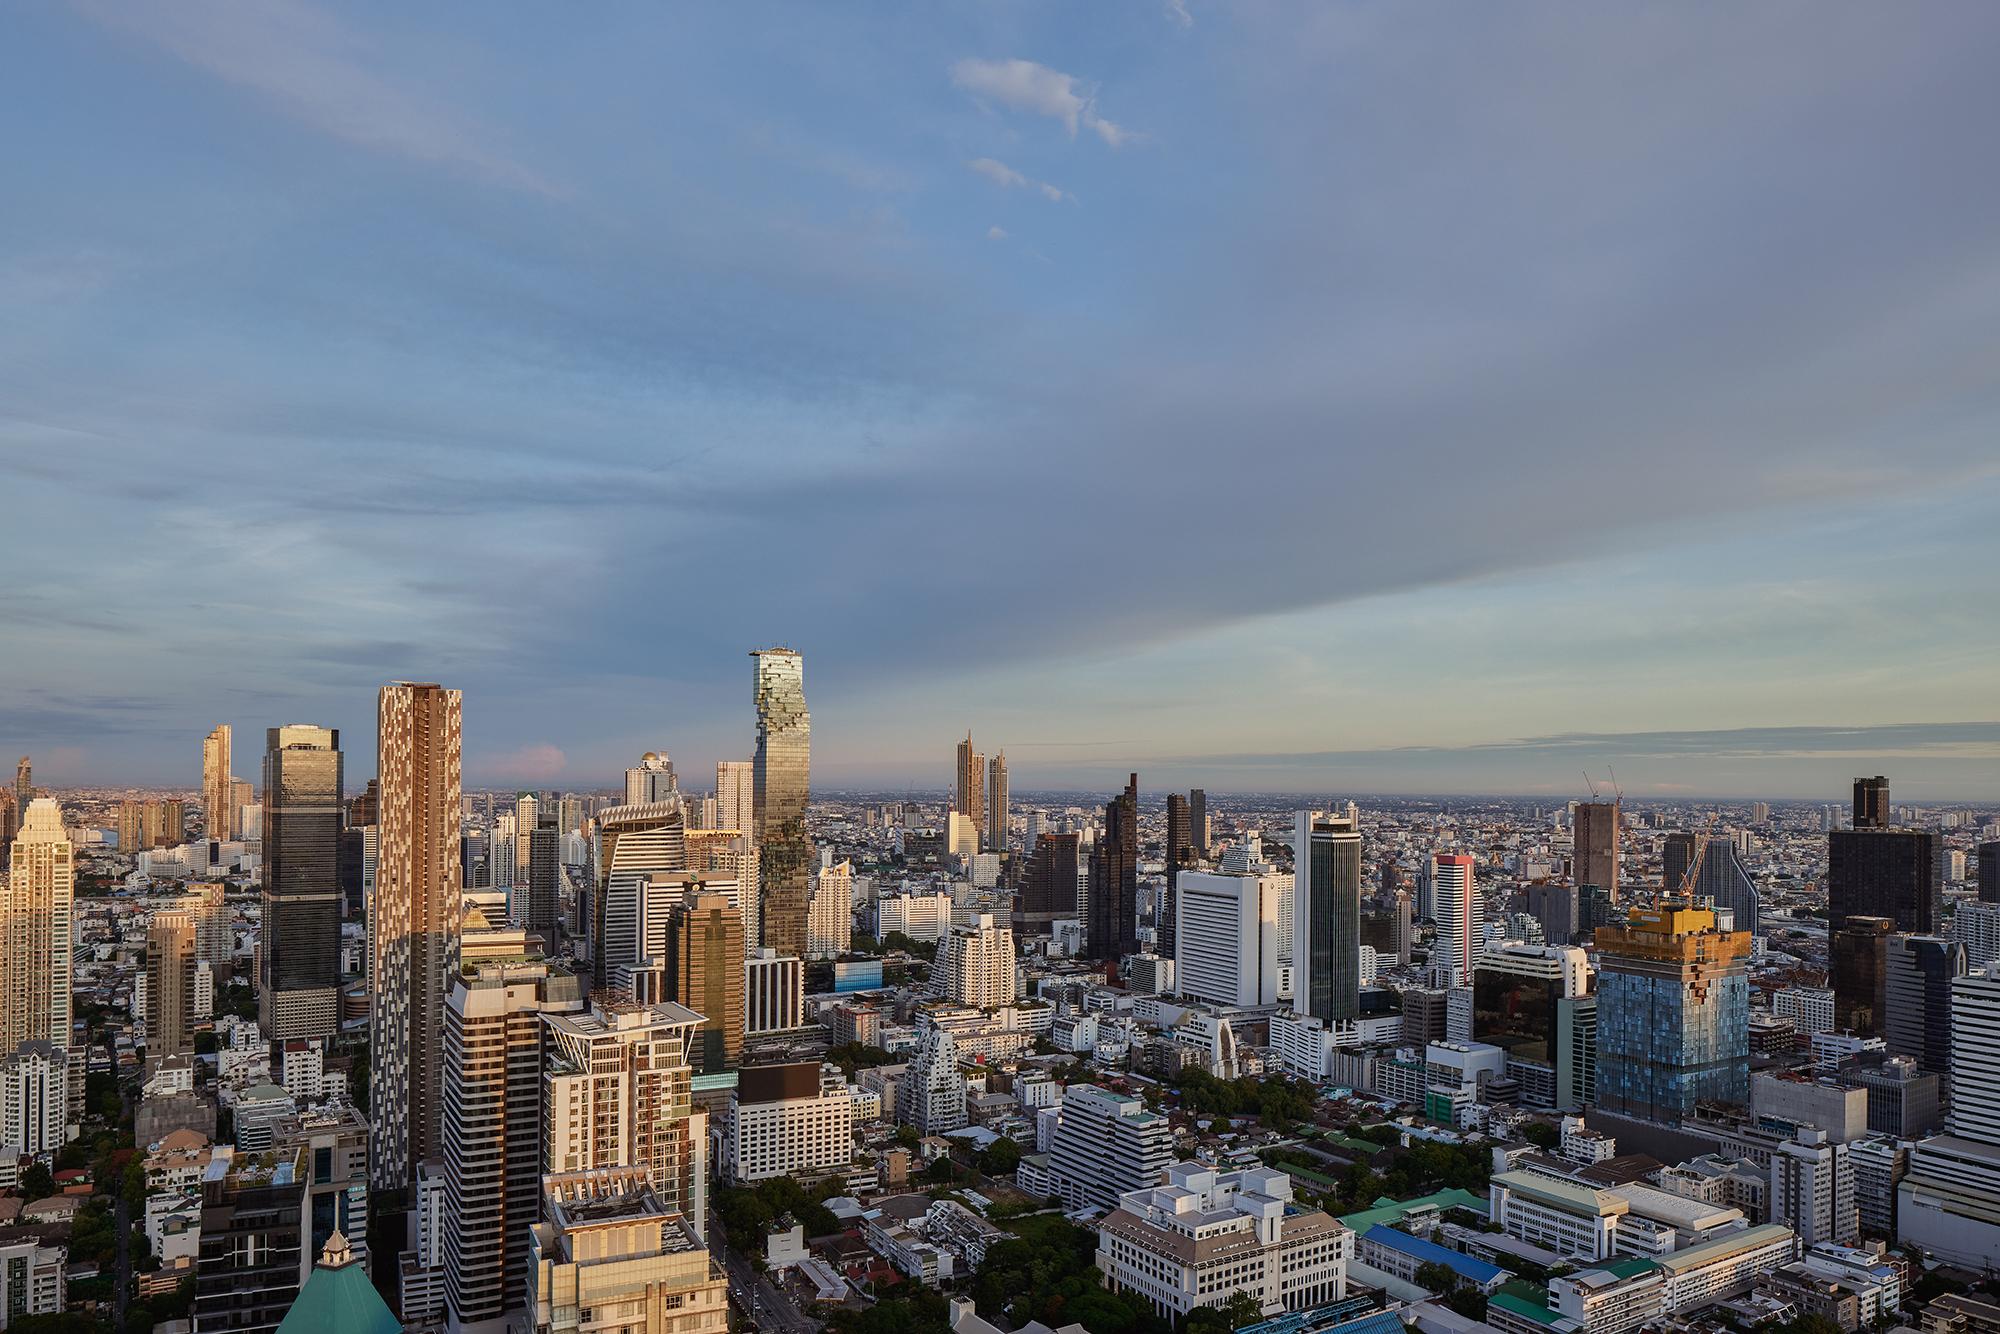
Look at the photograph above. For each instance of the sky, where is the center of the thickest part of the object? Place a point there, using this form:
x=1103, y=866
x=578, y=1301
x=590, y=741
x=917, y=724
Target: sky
x=1288, y=397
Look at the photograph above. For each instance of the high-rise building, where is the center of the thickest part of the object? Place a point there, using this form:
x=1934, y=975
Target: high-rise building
x=415, y=915
x=1229, y=937
x=492, y=1129
x=10, y=821
x=1721, y=877
x=170, y=964
x=774, y=993
x=132, y=827
x=736, y=795
x=1916, y=992
x=1812, y=1189
x=527, y=814
x=996, y=803
x=1881, y=872
x=969, y=794
x=1519, y=993
x=651, y=780
x=1596, y=851
x=298, y=991
x=1555, y=907
x=1048, y=890
x=242, y=798
x=218, y=810
x=638, y=847
x=35, y=931
x=708, y=978
x=1460, y=914
x=1104, y=1145
x=541, y=898
x=173, y=822
x=1198, y=823
x=977, y=963
x=931, y=1094
x=1976, y=925
x=786, y=1120
x=35, y=1098
x=608, y=1241
x=1113, y=930
x=781, y=779
x=1859, y=961
x=1871, y=803
x=1326, y=915
x=617, y=1093
x=24, y=785
x=1989, y=871
x=830, y=921
x=1945, y=1203
x=253, y=1255
x=1180, y=852
x=1673, y=1013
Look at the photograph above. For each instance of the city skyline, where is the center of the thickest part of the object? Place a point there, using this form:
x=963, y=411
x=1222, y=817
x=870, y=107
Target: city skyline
x=1627, y=433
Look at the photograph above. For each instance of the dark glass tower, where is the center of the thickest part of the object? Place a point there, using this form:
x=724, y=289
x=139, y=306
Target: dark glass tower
x=1917, y=997
x=540, y=904
x=1871, y=803
x=1114, y=879
x=1326, y=926
x=1890, y=873
x=1048, y=892
x=1198, y=820
x=1859, y=960
x=1989, y=872
x=1180, y=851
x=299, y=983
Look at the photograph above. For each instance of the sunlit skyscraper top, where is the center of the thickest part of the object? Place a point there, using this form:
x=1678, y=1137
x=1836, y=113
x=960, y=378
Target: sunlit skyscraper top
x=781, y=778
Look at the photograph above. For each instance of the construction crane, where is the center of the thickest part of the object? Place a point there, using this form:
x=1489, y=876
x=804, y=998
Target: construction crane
x=1693, y=872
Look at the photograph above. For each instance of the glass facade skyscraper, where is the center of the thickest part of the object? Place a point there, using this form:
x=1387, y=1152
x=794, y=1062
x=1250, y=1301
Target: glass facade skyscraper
x=1113, y=929
x=781, y=778
x=1721, y=877
x=1673, y=1013
x=1326, y=916
x=299, y=982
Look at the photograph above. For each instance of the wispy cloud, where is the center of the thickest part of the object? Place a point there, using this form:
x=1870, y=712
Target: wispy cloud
x=1178, y=12
x=996, y=233
x=305, y=61
x=1003, y=175
x=1024, y=85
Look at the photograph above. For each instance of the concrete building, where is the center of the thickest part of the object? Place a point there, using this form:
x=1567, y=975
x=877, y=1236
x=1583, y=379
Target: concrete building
x=1724, y=1267
x=607, y=1242
x=1460, y=914
x=977, y=964
x=1812, y=1188
x=792, y=1120
x=253, y=1229
x=170, y=965
x=1204, y=1236
x=35, y=931
x=1949, y=1202
x=921, y=917
x=35, y=1106
x=1568, y=1218
x=1596, y=859
x=1788, y=1103
x=1809, y=1008
x=1228, y=938
x=830, y=919
x=774, y=993
x=931, y=1094
x=1104, y=1145
x=708, y=978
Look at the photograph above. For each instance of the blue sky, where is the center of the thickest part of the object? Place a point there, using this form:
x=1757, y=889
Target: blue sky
x=1345, y=397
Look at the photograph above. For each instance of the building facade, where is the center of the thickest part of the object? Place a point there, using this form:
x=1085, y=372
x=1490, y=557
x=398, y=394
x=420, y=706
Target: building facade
x=1673, y=1003
x=298, y=994
x=781, y=779
x=1326, y=915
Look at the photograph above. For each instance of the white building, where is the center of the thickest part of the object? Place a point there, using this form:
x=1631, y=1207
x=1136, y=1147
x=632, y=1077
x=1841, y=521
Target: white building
x=787, y=1120
x=830, y=914
x=1305, y=1045
x=1697, y=1275
x=31, y=1278
x=1105, y=1144
x=1976, y=925
x=931, y=1093
x=1812, y=1189
x=977, y=964
x=774, y=993
x=34, y=1100
x=1227, y=938
x=607, y=1243
x=1949, y=1202
x=1565, y=1216
x=1460, y=914
x=1205, y=1236
x=1809, y=1008
x=921, y=917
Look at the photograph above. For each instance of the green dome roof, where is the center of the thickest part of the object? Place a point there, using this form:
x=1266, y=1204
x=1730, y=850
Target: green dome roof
x=339, y=1299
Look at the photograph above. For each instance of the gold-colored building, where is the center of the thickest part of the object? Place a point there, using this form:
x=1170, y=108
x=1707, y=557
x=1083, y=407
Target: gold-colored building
x=708, y=978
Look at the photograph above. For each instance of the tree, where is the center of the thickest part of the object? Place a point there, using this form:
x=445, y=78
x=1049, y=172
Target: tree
x=1000, y=1157
x=942, y=1169
x=1468, y=1302
x=1437, y=1276
x=1542, y=1135
x=1241, y=1309
x=38, y=1183
x=908, y=1137
x=204, y=1042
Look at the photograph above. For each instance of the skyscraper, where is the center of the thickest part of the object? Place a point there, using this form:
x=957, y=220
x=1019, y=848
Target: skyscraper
x=298, y=991
x=996, y=803
x=526, y=817
x=736, y=795
x=417, y=917
x=170, y=961
x=635, y=844
x=542, y=901
x=1917, y=992
x=24, y=786
x=931, y=1094
x=781, y=776
x=1523, y=1001
x=218, y=811
x=1460, y=914
x=1596, y=853
x=35, y=931
x=1858, y=958
x=1673, y=1013
x=1228, y=937
x=1722, y=876
x=1945, y=1203
x=1326, y=915
x=1180, y=851
x=1989, y=871
x=830, y=924
x=1048, y=890
x=708, y=979
x=1871, y=803
x=1198, y=821
x=977, y=963
x=969, y=798
x=1882, y=872
x=1113, y=931
x=651, y=780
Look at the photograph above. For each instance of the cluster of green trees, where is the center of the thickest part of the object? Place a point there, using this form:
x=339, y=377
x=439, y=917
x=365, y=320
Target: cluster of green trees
x=1278, y=1102
x=852, y=1056
x=748, y=1211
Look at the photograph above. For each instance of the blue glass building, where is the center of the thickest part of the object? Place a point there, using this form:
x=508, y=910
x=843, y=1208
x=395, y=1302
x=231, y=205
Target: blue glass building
x=1673, y=1013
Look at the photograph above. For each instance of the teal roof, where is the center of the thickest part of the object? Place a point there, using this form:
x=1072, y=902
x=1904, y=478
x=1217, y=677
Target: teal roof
x=339, y=1301
x=1391, y=1211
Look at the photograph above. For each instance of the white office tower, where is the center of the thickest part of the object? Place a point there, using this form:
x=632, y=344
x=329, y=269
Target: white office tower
x=1207, y=1235
x=35, y=931
x=774, y=993
x=1106, y=1144
x=652, y=780
x=34, y=1100
x=978, y=964
x=641, y=857
x=1949, y=1203
x=500, y=853
x=1459, y=912
x=616, y=1093
x=931, y=1093
x=735, y=795
x=1809, y=1008
x=921, y=917
x=1976, y=925
x=787, y=1120
x=830, y=916
x=1226, y=937
x=493, y=1040
x=1812, y=1189
x=961, y=836
x=608, y=1243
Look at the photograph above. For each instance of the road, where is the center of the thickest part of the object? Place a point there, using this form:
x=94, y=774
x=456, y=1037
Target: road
x=755, y=1294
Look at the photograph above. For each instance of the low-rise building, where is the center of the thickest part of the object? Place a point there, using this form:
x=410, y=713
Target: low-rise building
x=1565, y=1216
x=787, y=1120
x=609, y=1243
x=1396, y=1252
x=1724, y=1267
